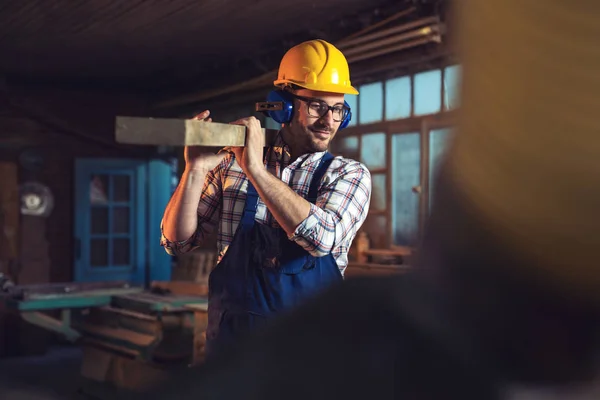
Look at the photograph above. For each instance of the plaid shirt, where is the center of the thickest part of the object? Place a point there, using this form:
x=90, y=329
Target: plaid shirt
x=340, y=210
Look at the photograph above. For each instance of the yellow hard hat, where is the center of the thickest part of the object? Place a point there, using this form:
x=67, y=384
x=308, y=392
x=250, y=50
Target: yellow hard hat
x=315, y=65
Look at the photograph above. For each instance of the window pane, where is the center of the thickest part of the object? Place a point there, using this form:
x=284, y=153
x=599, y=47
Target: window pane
x=378, y=192
x=121, y=188
x=350, y=143
x=406, y=172
x=120, y=220
x=351, y=100
x=370, y=103
x=99, y=220
x=99, y=189
x=121, y=255
x=438, y=143
x=428, y=92
x=452, y=86
x=372, y=150
x=99, y=252
x=397, y=98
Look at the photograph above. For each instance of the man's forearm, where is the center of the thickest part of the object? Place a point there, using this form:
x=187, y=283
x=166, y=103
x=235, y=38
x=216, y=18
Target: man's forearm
x=181, y=215
x=288, y=208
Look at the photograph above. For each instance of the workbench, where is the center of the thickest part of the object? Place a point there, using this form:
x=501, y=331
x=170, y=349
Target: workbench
x=129, y=335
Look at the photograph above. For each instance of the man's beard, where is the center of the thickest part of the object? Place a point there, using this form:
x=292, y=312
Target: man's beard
x=312, y=132
x=303, y=140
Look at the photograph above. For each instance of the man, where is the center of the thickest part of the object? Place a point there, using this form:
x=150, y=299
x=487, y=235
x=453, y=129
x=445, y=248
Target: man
x=505, y=301
x=286, y=216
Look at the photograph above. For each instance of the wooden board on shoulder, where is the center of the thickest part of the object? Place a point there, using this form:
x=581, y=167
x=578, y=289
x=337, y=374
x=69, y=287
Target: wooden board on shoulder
x=182, y=132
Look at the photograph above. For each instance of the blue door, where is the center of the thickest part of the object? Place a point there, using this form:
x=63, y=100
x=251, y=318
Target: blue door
x=118, y=206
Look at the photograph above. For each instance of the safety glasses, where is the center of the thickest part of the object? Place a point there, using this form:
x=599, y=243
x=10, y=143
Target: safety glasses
x=318, y=108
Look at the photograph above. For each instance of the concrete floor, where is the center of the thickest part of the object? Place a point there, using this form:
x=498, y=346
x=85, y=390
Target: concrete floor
x=53, y=376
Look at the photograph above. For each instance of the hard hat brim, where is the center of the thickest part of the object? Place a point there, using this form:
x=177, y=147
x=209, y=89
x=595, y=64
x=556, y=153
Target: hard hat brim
x=319, y=87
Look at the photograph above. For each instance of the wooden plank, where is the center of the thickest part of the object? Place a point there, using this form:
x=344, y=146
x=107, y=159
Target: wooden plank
x=400, y=251
x=70, y=288
x=181, y=288
x=197, y=306
x=182, y=132
x=116, y=372
x=368, y=269
x=64, y=301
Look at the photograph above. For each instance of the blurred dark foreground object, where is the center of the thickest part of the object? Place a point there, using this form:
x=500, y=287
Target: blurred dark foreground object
x=461, y=327
x=358, y=341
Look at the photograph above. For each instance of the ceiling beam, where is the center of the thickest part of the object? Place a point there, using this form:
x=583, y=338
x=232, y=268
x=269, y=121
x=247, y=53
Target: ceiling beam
x=264, y=79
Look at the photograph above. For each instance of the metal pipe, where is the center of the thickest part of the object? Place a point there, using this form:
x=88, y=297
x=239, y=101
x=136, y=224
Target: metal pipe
x=418, y=33
x=265, y=79
x=377, y=25
x=402, y=46
x=386, y=32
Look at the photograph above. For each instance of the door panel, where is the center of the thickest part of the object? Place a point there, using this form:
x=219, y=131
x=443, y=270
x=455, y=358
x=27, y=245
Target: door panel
x=162, y=181
x=439, y=139
x=110, y=220
x=406, y=178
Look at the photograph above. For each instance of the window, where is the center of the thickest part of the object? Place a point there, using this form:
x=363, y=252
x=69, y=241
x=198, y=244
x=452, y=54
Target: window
x=428, y=92
x=400, y=130
x=438, y=143
x=406, y=175
x=352, y=100
x=372, y=150
x=406, y=96
x=398, y=98
x=451, y=86
x=348, y=147
x=370, y=103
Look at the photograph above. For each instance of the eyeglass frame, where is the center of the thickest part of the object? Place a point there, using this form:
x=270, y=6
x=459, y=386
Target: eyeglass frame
x=324, y=106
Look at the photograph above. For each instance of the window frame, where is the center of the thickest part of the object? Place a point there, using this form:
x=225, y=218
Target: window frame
x=424, y=124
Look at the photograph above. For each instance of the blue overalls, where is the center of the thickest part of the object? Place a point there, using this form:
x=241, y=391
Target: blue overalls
x=263, y=273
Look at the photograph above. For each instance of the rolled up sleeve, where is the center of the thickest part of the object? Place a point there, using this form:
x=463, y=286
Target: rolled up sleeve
x=339, y=212
x=208, y=214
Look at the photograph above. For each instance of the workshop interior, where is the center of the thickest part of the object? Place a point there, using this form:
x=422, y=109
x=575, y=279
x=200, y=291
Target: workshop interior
x=96, y=102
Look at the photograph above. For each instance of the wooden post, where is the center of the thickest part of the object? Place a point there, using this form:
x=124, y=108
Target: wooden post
x=9, y=217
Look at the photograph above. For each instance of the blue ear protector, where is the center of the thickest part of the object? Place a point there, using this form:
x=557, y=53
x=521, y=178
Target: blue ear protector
x=280, y=107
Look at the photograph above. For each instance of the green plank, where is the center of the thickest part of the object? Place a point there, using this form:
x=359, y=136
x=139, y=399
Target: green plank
x=149, y=302
x=96, y=298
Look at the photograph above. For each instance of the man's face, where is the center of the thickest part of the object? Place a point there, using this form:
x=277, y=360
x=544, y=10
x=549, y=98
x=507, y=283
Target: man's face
x=309, y=132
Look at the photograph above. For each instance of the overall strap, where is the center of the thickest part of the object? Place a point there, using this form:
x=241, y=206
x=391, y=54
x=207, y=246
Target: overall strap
x=252, y=195
x=252, y=199
x=250, y=206
x=313, y=190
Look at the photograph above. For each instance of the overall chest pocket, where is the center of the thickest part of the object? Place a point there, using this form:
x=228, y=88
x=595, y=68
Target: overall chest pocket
x=274, y=252
x=298, y=265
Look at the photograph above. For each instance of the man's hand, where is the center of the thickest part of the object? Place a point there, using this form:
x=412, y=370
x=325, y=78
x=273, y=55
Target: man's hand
x=250, y=157
x=195, y=157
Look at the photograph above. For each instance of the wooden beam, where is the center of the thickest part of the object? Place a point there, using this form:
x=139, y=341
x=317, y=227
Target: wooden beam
x=182, y=132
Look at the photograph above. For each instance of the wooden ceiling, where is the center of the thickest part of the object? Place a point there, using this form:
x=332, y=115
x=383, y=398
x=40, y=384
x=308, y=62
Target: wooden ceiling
x=155, y=44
